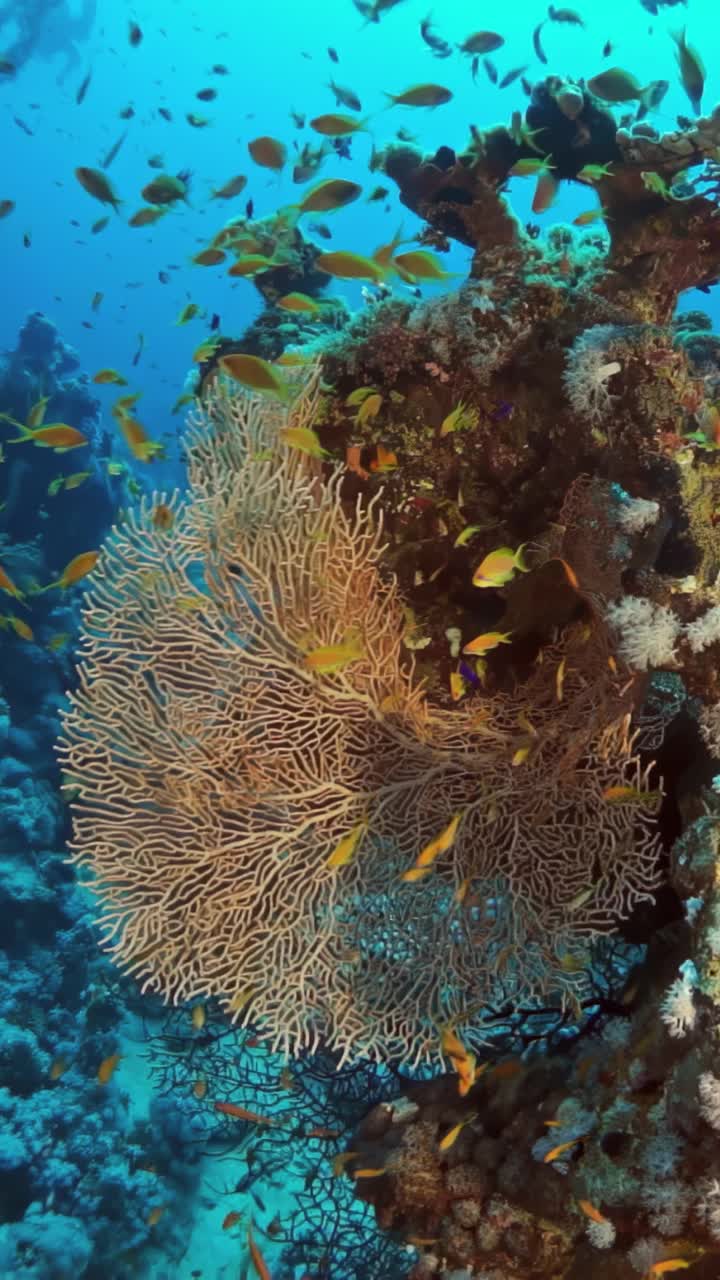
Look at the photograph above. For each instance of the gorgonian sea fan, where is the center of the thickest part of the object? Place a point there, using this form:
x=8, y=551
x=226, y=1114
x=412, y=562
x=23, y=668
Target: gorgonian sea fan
x=215, y=773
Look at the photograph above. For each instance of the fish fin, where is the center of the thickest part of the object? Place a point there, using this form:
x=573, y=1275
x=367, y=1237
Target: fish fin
x=27, y=433
x=520, y=563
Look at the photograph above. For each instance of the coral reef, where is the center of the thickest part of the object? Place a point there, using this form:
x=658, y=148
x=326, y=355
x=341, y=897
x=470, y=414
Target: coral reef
x=338, y=770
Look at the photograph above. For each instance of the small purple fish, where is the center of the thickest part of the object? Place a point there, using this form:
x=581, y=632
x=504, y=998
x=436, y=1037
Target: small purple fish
x=468, y=674
x=215, y=322
x=504, y=409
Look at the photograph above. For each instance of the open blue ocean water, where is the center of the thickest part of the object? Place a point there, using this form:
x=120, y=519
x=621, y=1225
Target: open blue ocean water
x=167, y=1141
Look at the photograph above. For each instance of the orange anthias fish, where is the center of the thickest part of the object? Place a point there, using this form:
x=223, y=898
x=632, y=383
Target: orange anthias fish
x=258, y=1261
x=333, y=657
x=664, y=1268
x=107, y=1068
x=231, y=1219
x=487, y=641
x=440, y=844
x=78, y=568
x=499, y=567
x=345, y=850
x=590, y=1211
x=558, y=1151
x=58, y=436
x=453, y=1134
x=241, y=1113
x=7, y=584
x=463, y=1061
x=137, y=439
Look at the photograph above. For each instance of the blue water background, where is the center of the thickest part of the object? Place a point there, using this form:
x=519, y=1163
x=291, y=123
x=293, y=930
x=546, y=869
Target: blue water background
x=263, y=45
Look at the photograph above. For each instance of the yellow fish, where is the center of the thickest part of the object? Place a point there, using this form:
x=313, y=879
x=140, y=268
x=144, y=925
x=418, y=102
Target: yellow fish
x=209, y=258
x=249, y=264
x=76, y=479
x=198, y=1017
x=333, y=125
x=460, y=419
x=58, y=436
x=333, y=657
x=466, y=534
x=258, y=375
x=205, y=351
x=457, y=686
x=440, y=844
x=346, y=849
x=487, y=641
x=499, y=567
x=146, y=216
x=78, y=568
x=299, y=302
x=420, y=264
x=36, y=416
x=349, y=266
x=369, y=409
x=670, y=1264
x=630, y=795
x=420, y=95
x=305, y=440
x=415, y=874
x=188, y=313
x=268, y=152
x=558, y=1151
x=334, y=193
x=20, y=628
x=591, y=1212
x=453, y=1134
x=107, y=1068
x=108, y=376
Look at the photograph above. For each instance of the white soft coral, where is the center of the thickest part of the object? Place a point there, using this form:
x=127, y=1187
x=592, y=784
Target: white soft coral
x=587, y=372
x=647, y=632
x=704, y=631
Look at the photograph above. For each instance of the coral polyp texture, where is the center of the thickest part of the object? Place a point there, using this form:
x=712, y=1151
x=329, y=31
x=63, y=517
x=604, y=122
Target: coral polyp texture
x=221, y=758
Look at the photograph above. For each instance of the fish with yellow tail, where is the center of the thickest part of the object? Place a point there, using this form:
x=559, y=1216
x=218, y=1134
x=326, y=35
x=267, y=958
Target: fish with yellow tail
x=345, y=850
x=499, y=567
x=453, y=1134
x=58, y=436
x=254, y=373
x=7, y=584
x=79, y=567
x=666, y=1267
x=487, y=641
x=440, y=844
x=106, y=1070
x=334, y=657
x=692, y=70
x=561, y=1148
x=305, y=440
x=262, y=1269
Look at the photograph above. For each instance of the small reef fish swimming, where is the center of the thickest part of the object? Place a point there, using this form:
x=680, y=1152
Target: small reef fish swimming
x=97, y=185
x=421, y=95
x=499, y=567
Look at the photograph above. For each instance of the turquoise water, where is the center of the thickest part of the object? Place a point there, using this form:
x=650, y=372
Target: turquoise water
x=130, y=1176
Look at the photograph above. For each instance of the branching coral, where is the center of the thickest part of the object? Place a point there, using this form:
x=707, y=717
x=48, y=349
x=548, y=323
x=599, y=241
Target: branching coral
x=217, y=772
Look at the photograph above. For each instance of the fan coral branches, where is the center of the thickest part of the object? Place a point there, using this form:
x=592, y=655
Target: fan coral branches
x=220, y=765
